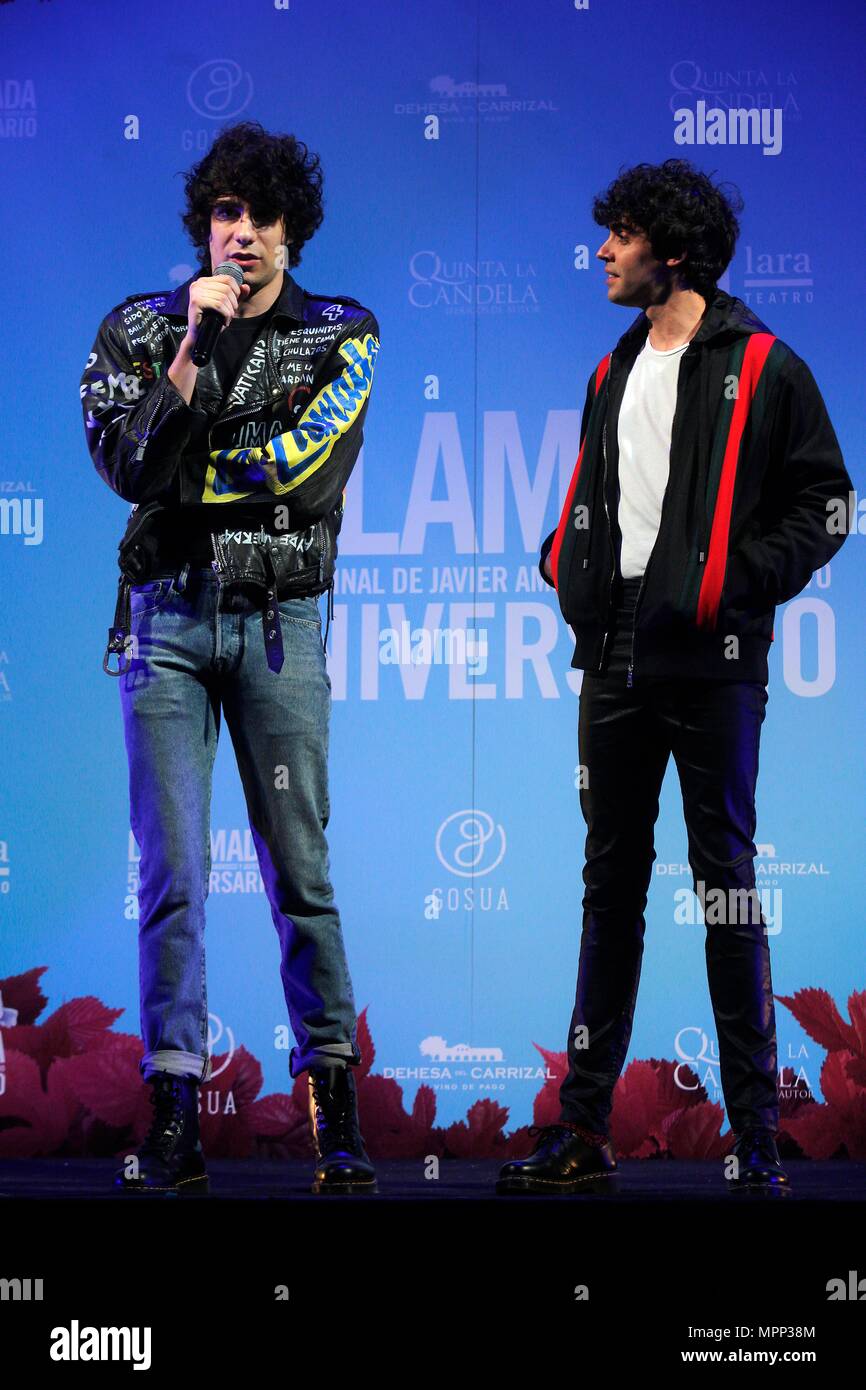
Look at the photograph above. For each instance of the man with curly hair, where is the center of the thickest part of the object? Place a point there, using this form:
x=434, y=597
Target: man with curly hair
x=702, y=497
x=237, y=468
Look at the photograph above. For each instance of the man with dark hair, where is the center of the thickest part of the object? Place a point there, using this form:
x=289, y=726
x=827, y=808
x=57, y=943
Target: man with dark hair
x=236, y=468
x=707, y=475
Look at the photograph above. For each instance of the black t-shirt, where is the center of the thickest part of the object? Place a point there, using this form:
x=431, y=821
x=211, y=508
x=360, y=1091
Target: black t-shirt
x=234, y=343
x=194, y=544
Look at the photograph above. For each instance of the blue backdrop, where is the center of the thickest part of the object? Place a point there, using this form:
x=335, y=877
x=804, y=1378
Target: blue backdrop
x=456, y=836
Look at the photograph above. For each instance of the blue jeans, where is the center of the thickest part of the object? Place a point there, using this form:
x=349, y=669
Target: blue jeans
x=626, y=737
x=198, y=650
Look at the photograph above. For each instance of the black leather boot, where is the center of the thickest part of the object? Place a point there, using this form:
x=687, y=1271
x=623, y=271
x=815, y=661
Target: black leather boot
x=565, y=1159
x=760, y=1172
x=171, y=1158
x=343, y=1162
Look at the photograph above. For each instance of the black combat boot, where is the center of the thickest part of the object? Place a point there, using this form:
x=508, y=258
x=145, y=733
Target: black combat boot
x=565, y=1159
x=759, y=1169
x=171, y=1158
x=343, y=1162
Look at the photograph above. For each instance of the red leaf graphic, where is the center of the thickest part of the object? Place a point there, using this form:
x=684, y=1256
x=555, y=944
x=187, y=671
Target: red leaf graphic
x=547, y=1109
x=816, y=1013
x=857, y=1010
x=482, y=1135
x=638, y=1108
x=677, y=1084
x=22, y=992
x=278, y=1128
x=107, y=1082
x=821, y=1129
x=32, y=1120
x=695, y=1132
x=365, y=1046
x=424, y=1108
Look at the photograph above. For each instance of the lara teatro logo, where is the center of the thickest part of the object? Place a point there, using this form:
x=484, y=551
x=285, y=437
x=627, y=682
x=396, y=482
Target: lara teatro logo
x=775, y=276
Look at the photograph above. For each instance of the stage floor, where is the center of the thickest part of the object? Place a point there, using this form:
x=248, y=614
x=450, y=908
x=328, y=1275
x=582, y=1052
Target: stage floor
x=403, y=1180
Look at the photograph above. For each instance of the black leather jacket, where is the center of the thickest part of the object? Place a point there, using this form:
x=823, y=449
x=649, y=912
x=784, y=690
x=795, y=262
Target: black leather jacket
x=271, y=464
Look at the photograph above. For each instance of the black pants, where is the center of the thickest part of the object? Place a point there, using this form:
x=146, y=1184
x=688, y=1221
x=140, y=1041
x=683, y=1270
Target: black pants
x=626, y=736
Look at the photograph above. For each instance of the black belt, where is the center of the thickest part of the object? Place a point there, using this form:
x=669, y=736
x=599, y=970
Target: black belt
x=119, y=632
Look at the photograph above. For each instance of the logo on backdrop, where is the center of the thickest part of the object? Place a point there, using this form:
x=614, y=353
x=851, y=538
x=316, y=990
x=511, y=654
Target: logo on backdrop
x=8, y=1019
x=219, y=89
x=764, y=277
x=18, y=97
x=699, y=1053
x=470, y=845
x=487, y=286
x=464, y=1067
x=217, y=1032
x=234, y=866
x=438, y=1050
x=732, y=89
x=454, y=100
x=770, y=869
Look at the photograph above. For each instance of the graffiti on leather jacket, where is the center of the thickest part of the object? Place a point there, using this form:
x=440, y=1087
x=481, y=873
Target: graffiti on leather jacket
x=298, y=540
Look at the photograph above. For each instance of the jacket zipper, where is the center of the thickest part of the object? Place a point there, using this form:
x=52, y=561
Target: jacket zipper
x=139, y=453
x=630, y=675
x=215, y=566
x=610, y=541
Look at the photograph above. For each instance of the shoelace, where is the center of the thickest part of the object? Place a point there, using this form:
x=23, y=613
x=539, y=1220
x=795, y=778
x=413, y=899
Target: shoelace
x=553, y=1131
x=759, y=1139
x=164, y=1129
x=336, y=1134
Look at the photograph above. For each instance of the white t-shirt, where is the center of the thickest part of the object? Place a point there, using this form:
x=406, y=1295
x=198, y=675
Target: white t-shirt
x=644, y=439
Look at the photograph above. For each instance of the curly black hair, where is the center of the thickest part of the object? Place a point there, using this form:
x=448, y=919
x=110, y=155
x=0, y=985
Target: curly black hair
x=680, y=211
x=276, y=174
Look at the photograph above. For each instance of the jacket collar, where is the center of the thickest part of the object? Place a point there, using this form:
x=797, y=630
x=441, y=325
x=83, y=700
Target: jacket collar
x=725, y=315
x=290, y=302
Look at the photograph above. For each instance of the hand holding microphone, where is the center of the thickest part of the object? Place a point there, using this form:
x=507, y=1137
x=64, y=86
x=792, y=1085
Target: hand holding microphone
x=213, y=303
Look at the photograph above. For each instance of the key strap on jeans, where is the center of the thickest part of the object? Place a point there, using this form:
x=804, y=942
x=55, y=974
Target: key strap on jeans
x=118, y=634
x=271, y=623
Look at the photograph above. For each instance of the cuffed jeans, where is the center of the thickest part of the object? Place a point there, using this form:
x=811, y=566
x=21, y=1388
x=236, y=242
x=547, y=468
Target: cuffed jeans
x=197, y=650
x=625, y=739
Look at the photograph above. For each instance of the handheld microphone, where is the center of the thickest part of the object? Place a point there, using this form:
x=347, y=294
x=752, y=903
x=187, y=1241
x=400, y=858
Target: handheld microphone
x=212, y=321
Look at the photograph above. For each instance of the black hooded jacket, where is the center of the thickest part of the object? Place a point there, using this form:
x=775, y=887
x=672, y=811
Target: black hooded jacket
x=750, y=511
